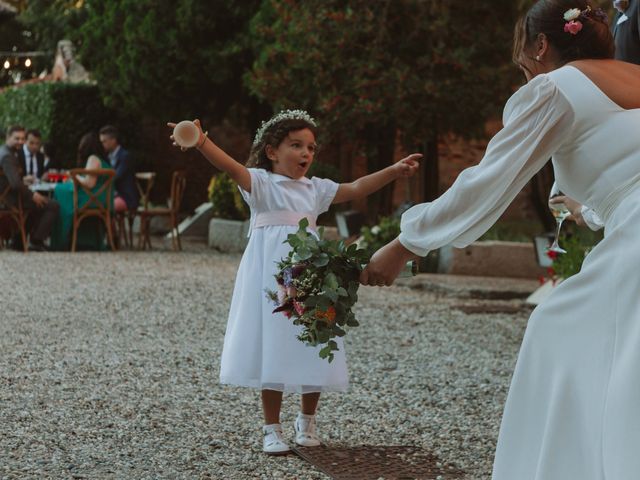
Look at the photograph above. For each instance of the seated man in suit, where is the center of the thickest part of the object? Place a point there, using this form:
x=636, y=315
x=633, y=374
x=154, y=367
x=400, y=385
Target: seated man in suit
x=42, y=210
x=31, y=158
x=126, y=197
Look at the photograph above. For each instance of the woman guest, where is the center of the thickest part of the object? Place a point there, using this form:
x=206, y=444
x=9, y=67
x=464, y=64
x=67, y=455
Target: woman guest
x=90, y=235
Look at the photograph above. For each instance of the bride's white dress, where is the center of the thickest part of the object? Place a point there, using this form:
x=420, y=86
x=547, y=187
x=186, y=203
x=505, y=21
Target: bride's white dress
x=573, y=409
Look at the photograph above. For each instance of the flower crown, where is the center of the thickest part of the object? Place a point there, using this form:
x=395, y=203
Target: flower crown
x=283, y=115
x=572, y=18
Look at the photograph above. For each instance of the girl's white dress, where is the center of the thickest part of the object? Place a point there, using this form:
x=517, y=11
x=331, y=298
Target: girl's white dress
x=260, y=348
x=573, y=409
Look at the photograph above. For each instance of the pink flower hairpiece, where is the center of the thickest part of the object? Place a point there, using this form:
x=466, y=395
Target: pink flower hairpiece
x=572, y=18
x=572, y=25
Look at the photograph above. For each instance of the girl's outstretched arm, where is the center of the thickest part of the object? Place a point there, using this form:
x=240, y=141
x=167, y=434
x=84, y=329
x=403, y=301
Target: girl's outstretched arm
x=370, y=183
x=219, y=159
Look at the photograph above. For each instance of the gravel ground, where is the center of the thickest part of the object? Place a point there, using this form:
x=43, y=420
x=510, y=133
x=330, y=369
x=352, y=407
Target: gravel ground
x=109, y=364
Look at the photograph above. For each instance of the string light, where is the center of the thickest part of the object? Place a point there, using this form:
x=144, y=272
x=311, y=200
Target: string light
x=27, y=62
x=7, y=64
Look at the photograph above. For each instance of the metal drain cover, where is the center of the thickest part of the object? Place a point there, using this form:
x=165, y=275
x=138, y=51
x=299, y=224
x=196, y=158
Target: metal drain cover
x=369, y=462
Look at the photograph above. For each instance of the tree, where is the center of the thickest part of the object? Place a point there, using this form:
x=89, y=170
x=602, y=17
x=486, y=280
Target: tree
x=160, y=60
x=165, y=58
x=369, y=69
x=49, y=21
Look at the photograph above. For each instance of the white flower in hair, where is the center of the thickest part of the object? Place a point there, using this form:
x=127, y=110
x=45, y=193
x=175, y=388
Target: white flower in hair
x=283, y=115
x=572, y=14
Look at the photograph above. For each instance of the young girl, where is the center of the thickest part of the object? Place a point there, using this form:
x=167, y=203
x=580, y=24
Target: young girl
x=260, y=348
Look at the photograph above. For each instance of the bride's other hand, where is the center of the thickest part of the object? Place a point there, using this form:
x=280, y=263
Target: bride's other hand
x=386, y=264
x=574, y=207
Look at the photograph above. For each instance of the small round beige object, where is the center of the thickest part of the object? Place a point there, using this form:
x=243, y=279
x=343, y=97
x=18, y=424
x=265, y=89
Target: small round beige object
x=186, y=134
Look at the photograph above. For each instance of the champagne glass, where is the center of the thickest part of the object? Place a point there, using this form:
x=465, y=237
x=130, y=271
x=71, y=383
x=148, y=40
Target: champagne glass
x=560, y=212
x=409, y=270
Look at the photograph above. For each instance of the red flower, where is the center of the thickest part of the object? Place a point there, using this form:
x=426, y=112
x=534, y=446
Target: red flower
x=552, y=255
x=299, y=307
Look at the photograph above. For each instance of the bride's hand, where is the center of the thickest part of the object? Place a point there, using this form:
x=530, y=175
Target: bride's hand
x=172, y=125
x=574, y=207
x=386, y=264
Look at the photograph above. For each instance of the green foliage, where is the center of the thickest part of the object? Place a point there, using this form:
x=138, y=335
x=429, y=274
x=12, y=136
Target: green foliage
x=324, y=170
x=318, y=286
x=62, y=112
x=422, y=66
x=226, y=199
x=374, y=238
x=167, y=59
x=578, y=243
x=513, y=231
x=49, y=21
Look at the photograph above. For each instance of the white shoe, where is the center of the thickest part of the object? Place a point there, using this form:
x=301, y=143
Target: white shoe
x=306, y=431
x=273, y=443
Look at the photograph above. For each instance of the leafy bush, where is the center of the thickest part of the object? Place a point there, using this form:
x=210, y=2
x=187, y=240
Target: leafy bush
x=62, y=112
x=324, y=170
x=226, y=199
x=513, y=231
x=373, y=238
x=577, y=244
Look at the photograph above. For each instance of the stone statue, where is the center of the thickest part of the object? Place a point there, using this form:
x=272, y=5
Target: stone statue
x=66, y=67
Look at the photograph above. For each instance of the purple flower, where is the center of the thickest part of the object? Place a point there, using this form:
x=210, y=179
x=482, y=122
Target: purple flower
x=290, y=273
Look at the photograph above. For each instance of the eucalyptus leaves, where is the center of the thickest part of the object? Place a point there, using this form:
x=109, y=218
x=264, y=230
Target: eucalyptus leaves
x=318, y=286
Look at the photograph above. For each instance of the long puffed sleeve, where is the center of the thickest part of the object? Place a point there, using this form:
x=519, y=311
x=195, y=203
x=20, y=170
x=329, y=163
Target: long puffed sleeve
x=591, y=218
x=537, y=120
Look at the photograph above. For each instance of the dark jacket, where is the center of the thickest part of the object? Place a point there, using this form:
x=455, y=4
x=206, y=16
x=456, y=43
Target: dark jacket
x=10, y=164
x=627, y=33
x=39, y=160
x=125, y=182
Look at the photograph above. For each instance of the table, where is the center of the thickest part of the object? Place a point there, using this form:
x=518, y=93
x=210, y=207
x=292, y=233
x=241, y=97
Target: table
x=46, y=188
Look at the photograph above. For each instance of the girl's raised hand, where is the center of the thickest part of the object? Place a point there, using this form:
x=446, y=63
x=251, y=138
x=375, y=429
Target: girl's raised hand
x=408, y=165
x=172, y=125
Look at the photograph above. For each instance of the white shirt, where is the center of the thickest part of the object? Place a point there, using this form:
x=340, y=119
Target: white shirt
x=113, y=155
x=30, y=162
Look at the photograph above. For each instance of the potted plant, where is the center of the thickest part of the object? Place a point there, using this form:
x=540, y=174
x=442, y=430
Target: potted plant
x=229, y=226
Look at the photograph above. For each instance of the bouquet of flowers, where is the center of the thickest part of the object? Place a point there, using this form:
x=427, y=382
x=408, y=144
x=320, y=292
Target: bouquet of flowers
x=318, y=286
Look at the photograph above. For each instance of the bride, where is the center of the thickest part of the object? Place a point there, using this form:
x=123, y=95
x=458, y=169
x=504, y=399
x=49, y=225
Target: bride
x=573, y=409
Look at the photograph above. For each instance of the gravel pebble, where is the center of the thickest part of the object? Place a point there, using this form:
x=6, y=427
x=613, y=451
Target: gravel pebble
x=109, y=364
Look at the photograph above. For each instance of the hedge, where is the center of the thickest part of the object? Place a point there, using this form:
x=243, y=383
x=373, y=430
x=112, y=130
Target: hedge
x=63, y=112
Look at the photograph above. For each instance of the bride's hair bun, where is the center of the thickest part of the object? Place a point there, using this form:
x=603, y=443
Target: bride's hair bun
x=587, y=37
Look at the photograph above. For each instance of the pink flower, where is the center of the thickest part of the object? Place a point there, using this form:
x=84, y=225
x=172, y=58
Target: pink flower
x=299, y=307
x=573, y=27
x=291, y=292
x=281, y=294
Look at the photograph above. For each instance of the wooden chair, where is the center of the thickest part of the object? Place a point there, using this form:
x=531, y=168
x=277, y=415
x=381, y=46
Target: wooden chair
x=178, y=184
x=94, y=207
x=144, y=183
x=16, y=213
